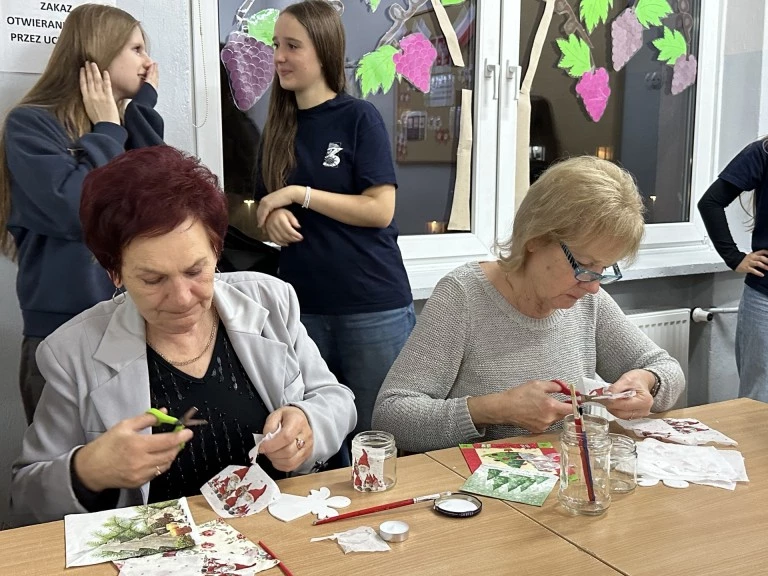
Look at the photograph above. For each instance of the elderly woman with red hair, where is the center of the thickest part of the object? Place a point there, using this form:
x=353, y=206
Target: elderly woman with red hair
x=175, y=335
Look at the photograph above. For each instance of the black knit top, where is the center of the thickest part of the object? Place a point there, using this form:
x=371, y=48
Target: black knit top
x=226, y=398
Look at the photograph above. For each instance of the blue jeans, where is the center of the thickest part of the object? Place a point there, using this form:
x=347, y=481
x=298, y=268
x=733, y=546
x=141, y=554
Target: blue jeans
x=752, y=345
x=360, y=349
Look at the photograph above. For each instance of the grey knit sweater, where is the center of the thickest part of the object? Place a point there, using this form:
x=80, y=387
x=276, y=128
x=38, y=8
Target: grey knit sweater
x=469, y=341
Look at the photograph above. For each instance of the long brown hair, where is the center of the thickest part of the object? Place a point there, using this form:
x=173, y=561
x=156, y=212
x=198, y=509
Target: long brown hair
x=750, y=223
x=326, y=32
x=93, y=33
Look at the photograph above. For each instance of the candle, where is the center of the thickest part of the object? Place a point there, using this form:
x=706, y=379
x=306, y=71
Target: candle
x=652, y=209
x=604, y=152
x=435, y=227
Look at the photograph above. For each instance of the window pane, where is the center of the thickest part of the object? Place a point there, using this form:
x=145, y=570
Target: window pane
x=645, y=128
x=424, y=128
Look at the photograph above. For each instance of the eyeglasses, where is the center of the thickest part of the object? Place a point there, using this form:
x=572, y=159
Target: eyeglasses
x=584, y=275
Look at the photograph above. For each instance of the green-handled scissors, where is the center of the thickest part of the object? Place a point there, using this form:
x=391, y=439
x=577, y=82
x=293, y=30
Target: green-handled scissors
x=178, y=423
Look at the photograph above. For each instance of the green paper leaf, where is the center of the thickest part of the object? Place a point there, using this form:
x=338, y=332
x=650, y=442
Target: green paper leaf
x=576, y=56
x=594, y=11
x=376, y=70
x=373, y=4
x=450, y=2
x=650, y=12
x=262, y=25
x=671, y=46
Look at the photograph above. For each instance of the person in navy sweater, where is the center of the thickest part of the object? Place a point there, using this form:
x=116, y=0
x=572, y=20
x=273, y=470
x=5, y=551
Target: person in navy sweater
x=94, y=100
x=747, y=171
x=327, y=196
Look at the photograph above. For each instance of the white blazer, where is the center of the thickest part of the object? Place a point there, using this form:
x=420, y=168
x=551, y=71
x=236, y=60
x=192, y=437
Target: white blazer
x=96, y=373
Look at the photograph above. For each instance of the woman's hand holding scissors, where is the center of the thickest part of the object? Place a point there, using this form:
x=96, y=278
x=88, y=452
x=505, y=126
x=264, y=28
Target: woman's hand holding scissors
x=122, y=457
x=528, y=406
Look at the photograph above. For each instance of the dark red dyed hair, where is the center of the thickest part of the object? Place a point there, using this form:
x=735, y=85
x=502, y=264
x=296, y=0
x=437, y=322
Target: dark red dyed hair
x=148, y=192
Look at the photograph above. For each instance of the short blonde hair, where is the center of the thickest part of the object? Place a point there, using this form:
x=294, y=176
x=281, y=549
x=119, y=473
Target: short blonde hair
x=577, y=200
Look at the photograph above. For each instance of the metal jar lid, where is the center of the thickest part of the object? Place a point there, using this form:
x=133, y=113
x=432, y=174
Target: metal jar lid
x=458, y=505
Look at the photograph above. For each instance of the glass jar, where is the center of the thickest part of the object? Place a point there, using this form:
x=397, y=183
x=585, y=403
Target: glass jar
x=585, y=457
x=374, y=461
x=623, y=463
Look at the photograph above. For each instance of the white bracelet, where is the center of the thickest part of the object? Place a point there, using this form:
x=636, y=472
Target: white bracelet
x=307, y=197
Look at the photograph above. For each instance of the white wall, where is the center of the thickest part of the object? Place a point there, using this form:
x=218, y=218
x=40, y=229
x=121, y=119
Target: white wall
x=167, y=23
x=744, y=115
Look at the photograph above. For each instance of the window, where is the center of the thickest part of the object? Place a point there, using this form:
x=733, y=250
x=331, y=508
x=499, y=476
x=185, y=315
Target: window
x=423, y=127
x=667, y=141
x=644, y=127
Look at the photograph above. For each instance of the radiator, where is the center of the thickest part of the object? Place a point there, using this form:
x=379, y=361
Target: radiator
x=670, y=330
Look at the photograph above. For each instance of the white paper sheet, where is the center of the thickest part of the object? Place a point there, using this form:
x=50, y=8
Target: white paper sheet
x=239, y=491
x=128, y=532
x=221, y=551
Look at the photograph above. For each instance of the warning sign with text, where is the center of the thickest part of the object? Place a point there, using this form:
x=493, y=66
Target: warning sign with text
x=29, y=30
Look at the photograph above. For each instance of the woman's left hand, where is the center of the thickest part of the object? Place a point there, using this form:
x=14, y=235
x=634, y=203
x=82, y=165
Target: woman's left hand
x=278, y=199
x=293, y=444
x=639, y=406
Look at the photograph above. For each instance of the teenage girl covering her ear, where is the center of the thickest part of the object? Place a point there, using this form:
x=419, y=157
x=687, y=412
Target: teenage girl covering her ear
x=327, y=195
x=747, y=171
x=74, y=119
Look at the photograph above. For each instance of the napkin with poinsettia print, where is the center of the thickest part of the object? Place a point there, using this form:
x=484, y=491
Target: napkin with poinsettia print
x=221, y=550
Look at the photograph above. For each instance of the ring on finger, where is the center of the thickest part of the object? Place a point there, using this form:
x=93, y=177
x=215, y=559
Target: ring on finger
x=157, y=471
x=300, y=443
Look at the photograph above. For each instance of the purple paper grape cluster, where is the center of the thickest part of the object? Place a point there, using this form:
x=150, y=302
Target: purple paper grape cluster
x=627, y=38
x=683, y=73
x=250, y=67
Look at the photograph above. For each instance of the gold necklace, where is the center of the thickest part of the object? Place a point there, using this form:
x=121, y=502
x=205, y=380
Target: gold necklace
x=214, y=325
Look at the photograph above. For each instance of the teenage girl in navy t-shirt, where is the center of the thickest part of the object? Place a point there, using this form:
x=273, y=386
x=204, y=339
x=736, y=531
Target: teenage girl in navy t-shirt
x=327, y=196
x=747, y=171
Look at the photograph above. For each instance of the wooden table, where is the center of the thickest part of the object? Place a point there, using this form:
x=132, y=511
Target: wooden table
x=496, y=541
x=699, y=531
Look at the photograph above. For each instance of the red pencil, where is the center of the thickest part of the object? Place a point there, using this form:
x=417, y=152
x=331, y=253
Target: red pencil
x=280, y=563
x=381, y=507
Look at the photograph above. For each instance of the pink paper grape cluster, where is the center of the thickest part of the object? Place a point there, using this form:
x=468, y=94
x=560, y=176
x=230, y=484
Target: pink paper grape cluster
x=415, y=60
x=626, y=38
x=250, y=67
x=683, y=73
x=594, y=90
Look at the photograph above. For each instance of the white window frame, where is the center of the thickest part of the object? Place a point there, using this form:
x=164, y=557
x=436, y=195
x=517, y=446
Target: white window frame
x=667, y=250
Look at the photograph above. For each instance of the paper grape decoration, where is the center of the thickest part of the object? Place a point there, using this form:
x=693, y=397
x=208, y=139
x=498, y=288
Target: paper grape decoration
x=416, y=59
x=250, y=68
x=594, y=90
x=626, y=38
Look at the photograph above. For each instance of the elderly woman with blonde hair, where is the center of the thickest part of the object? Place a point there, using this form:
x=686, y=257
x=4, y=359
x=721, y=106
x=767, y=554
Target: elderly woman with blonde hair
x=481, y=361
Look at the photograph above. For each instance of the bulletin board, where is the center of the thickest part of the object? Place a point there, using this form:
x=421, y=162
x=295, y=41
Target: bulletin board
x=428, y=124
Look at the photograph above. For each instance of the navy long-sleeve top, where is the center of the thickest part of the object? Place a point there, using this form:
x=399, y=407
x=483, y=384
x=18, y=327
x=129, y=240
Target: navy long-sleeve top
x=58, y=276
